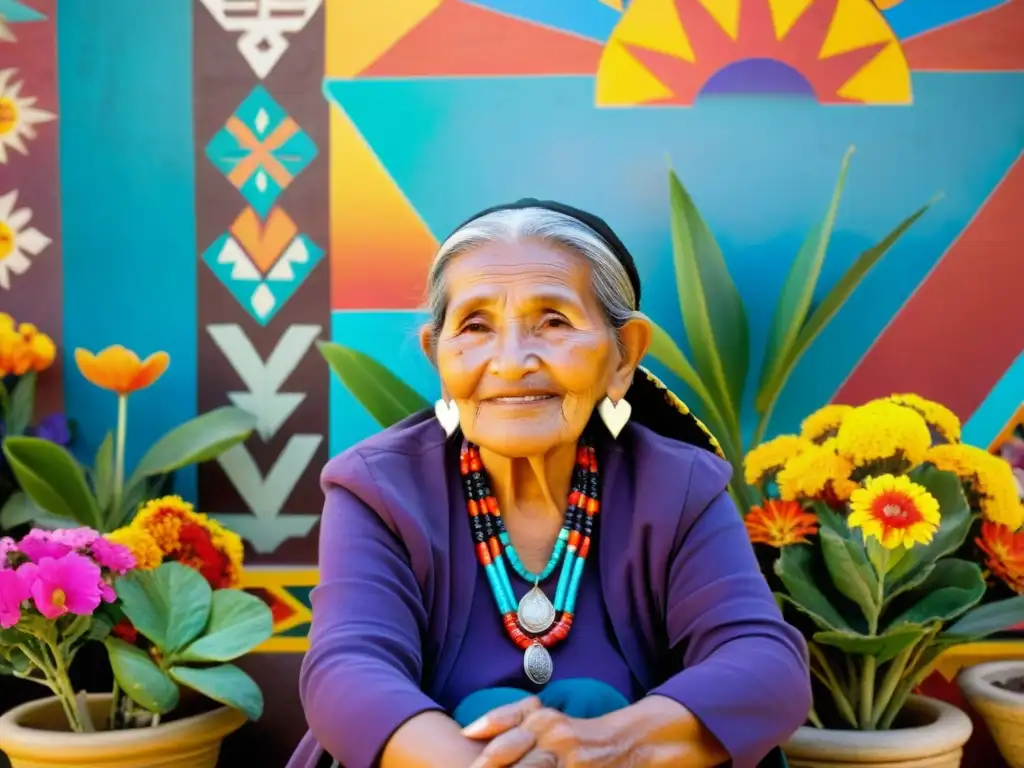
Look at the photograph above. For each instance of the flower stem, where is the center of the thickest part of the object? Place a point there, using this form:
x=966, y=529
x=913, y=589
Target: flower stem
x=119, y=442
x=892, y=678
x=115, y=705
x=867, y=693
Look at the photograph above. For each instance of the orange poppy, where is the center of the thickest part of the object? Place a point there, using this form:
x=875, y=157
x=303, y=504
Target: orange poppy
x=780, y=523
x=120, y=370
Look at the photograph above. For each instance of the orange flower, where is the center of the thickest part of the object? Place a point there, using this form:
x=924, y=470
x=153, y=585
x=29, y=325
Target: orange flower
x=1004, y=551
x=23, y=348
x=780, y=523
x=120, y=370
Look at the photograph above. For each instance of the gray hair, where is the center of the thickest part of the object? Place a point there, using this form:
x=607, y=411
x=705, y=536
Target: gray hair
x=612, y=287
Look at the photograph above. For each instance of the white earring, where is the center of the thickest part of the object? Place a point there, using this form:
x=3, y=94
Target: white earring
x=614, y=415
x=448, y=415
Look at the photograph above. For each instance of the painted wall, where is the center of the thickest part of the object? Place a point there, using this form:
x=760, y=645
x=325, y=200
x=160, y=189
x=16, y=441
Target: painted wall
x=232, y=181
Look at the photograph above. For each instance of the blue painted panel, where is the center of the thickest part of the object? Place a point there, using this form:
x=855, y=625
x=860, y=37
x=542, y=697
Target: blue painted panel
x=130, y=262
x=545, y=138
x=586, y=18
x=998, y=408
x=912, y=17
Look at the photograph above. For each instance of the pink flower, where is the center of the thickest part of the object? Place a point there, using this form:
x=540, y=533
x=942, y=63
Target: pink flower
x=107, y=593
x=112, y=556
x=37, y=544
x=70, y=584
x=76, y=538
x=7, y=545
x=13, y=591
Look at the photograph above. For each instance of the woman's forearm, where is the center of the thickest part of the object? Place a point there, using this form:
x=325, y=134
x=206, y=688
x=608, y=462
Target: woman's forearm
x=662, y=732
x=430, y=740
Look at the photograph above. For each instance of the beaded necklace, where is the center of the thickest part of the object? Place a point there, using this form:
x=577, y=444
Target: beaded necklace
x=536, y=623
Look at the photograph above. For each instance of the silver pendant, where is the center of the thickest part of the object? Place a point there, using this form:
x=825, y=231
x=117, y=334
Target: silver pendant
x=535, y=613
x=538, y=664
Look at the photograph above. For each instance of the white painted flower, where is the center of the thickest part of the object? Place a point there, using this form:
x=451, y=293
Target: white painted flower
x=18, y=116
x=18, y=241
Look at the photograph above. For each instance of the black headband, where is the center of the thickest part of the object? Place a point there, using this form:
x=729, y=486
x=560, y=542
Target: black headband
x=596, y=223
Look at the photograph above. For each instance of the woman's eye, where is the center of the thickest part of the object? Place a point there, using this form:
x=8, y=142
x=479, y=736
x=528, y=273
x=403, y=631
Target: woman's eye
x=474, y=326
x=556, y=321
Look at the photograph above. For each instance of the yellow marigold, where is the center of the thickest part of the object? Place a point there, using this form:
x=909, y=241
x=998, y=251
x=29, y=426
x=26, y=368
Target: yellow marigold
x=817, y=473
x=938, y=416
x=991, y=486
x=24, y=348
x=894, y=510
x=162, y=519
x=143, y=546
x=769, y=457
x=824, y=422
x=880, y=431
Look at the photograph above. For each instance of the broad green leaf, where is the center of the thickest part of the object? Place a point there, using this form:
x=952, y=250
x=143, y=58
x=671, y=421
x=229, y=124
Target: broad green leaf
x=954, y=523
x=831, y=304
x=52, y=478
x=884, y=647
x=667, y=352
x=135, y=494
x=713, y=312
x=851, y=572
x=238, y=623
x=798, y=291
x=20, y=405
x=386, y=397
x=951, y=588
x=103, y=473
x=225, y=683
x=988, y=619
x=141, y=679
x=913, y=581
x=170, y=605
x=200, y=439
x=794, y=568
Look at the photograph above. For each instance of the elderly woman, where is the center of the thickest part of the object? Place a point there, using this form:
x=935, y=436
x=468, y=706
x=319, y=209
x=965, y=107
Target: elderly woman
x=547, y=569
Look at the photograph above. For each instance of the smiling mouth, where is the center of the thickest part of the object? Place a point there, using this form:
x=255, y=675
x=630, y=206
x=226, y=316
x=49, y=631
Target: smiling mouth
x=520, y=399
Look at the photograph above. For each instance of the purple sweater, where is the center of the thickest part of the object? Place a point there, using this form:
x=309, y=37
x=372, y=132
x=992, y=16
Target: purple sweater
x=693, y=617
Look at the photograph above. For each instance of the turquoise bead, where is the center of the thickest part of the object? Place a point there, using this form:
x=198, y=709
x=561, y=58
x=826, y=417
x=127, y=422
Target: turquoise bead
x=574, y=586
x=563, y=579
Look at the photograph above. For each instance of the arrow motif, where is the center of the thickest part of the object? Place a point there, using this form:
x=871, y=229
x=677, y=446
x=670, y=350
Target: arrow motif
x=265, y=496
x=263, y=379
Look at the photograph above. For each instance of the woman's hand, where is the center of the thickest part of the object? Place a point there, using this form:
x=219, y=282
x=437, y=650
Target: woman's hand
x=528, y=735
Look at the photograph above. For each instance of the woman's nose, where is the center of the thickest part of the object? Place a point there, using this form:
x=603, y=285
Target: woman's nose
x=514, y=356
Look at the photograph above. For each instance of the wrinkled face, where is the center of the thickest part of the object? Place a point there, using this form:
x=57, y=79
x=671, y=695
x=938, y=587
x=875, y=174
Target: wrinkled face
x=525, y=350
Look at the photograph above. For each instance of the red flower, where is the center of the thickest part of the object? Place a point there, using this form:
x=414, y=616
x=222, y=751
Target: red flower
x=196, y=550
x=125, y=631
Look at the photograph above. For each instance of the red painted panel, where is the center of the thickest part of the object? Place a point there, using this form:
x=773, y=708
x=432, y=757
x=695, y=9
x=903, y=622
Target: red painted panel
x=990, y=41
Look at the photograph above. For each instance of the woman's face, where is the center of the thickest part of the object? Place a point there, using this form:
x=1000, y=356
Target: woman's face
x=525, y=350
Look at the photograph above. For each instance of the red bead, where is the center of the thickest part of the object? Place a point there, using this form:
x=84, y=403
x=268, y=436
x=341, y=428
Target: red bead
x=492, y=504
x=593, y=507
x=482, y=554
x=474, y=507
x=574, y=539
x=574, y=498
x=495, y=547
x=584, y=549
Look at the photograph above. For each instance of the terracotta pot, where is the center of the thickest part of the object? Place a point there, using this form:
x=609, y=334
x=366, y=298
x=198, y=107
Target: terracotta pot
x=1002, y=709
x=36, y=735
x=937, y=742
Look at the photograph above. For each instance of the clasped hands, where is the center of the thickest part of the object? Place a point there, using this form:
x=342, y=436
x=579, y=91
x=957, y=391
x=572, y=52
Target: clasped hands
x=527, y=735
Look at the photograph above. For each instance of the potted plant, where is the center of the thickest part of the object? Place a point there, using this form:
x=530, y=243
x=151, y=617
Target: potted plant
x=996, y=690
x=864, y=530
x=61, y=590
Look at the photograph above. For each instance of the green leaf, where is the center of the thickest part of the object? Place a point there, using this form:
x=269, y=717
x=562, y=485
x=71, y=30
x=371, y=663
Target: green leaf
x=830, y=305
x=713, y=312
x=954, y=523
x=951, y=588
x=134, y=495
x=225, y=683
x=985, y=620
x=141, y=679
x=667, y=352
x=238, y=623
x=794, y=568
x=386, y=397
x=21, y=405
x=200, y=439
x=884, y=647
x=52, y=479
x=850, y=570
x=798, y=291
x=103, y=472
x=170, y=605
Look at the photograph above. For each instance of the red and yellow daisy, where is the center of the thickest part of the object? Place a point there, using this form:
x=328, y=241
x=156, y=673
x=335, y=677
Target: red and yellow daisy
x=894, y=510
x=1004, y=553
x=780, y=523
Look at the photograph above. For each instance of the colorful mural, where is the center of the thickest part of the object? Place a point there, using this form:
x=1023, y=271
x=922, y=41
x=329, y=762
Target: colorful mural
x=239, y=180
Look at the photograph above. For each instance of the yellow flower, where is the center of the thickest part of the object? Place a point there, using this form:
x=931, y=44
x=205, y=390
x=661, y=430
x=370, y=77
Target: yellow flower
x=769, y=456
x=817, y=473
x=24, y=348
x=880, y=431
x=120, y=370
x=143, y=546
x=938, y=416
x=894, y=510
x=162, y=519
x=824, y=422
x=780, y=523
x=989, y=479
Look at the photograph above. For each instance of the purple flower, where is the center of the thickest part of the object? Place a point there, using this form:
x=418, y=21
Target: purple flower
x=37, y=544
x=53, y=428
x=114, y=557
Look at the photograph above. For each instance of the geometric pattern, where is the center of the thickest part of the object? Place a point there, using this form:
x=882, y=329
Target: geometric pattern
x=14, y=12
x=287, y=593
x=260, y=149
x=262, y=263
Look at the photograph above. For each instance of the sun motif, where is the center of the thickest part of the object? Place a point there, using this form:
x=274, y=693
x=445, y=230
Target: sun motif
x=18, y=116
x=17, y=239
x=669, y=52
